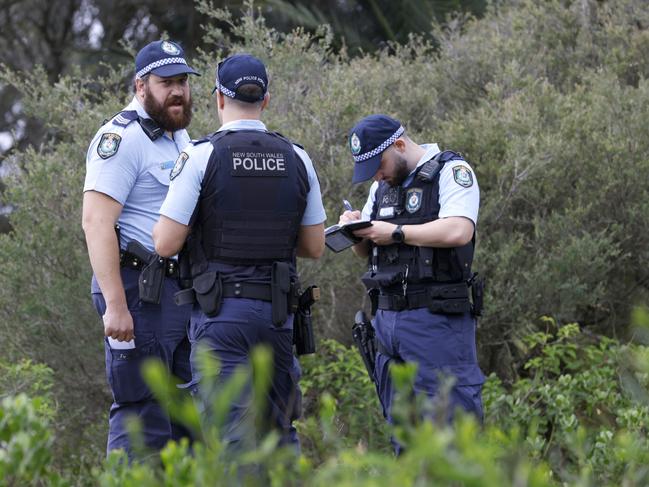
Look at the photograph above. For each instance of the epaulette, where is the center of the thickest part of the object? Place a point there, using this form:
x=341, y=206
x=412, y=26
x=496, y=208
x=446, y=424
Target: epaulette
x=122, y=119
x=202, y=140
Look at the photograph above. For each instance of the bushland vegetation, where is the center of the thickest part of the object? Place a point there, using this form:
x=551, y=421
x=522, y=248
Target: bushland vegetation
x=548, y=102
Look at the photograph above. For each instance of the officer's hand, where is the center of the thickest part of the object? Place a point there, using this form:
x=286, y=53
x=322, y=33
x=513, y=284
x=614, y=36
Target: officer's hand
x=118, y=324
x=380, y=232
x=349, y=216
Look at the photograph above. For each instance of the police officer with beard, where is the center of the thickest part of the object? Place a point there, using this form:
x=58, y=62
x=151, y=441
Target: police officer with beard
x=248, y=202
x=424, y=208
x=127, y=177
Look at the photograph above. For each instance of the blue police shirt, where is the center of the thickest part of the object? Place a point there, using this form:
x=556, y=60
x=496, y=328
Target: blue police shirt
x=459, y=194
x=136, y=175
x=185, y=188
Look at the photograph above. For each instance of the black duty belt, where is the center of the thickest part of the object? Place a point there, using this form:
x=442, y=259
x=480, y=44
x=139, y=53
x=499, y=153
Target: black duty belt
x=247, y=290
x=449, y=299
x=132, y=261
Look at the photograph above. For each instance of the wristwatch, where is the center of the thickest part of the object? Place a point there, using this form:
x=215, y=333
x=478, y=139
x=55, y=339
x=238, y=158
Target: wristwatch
x=398, y=235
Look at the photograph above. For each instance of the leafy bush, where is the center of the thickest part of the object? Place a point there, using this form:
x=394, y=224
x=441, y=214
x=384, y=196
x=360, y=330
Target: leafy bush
x=25, y=443
x=547, y=100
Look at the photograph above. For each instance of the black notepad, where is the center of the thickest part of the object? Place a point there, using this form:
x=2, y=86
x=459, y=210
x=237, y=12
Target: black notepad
x=340, y=237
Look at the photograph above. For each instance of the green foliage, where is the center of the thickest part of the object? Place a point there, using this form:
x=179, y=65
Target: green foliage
x=356, y=413
x=25, y=443
x=547, y=100
x=575, y=406
x=30, y=379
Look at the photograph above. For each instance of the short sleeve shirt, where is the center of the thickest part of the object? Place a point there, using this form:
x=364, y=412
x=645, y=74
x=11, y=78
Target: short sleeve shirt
x=124, y=163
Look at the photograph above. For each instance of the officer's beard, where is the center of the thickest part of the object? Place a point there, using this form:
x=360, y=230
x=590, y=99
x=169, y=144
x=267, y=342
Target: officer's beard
x=401, y=172
x=161, y=114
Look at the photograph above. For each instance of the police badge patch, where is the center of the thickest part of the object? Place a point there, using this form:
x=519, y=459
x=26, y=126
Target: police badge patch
x=179, y=165
x=463, y=176
x=355, y=144
x=170, y=48
x=108, y=145
x=413, y=199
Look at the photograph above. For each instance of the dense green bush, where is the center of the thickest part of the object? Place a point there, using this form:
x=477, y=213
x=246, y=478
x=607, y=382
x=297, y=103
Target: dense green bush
x=547, y=100
x=579, y=417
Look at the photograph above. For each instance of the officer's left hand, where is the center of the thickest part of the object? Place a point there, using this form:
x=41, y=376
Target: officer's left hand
x=380, y=232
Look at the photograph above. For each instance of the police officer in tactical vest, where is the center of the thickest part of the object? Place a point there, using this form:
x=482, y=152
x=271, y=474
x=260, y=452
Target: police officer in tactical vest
x=248, y=202
x=423, y=205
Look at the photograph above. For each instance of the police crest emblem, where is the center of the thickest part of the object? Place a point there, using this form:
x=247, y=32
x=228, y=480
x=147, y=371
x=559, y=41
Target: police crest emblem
x=463, y=176
x=355, y=144
x=179, y=165
x=170, y=48
x=108, y=145
x=413, y=199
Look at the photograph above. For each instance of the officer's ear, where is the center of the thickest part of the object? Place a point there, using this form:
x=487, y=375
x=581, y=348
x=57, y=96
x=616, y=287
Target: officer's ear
x=265, y=101
x=400, y=144
x=219, y=100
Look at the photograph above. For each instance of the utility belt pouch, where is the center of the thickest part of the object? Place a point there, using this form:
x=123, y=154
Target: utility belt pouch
x=209, y=292
x=280, y=285
x=381, y=279
x=152, y=279
x=477, y=294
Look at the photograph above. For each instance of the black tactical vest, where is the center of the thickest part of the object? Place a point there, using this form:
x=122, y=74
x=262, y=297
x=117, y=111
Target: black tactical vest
x=252, y=199
x=392, y=266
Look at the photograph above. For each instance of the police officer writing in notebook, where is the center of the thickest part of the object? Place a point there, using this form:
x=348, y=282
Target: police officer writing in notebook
x=424, y=207
x=248, y=201
x=127, y=177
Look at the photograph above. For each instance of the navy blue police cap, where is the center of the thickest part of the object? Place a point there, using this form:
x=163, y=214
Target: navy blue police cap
x=238, y=70
x=162, y=58
x=367, y=141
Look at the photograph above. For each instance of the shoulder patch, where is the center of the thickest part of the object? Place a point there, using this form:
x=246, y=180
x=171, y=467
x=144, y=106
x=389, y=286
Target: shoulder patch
x=108, y=145
x=463, y=176
x=122, y=119
x=179, y=165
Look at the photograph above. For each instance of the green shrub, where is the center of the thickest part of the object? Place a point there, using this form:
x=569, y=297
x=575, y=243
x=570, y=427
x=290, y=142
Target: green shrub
x=25, y=443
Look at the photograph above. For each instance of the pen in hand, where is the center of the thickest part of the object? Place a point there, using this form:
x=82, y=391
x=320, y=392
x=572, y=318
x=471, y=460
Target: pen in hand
x=348, y=205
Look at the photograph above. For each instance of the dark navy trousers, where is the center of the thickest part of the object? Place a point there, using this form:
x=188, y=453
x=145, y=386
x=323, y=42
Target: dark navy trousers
x=440, y=345
x=241, y=325
x=160, y=332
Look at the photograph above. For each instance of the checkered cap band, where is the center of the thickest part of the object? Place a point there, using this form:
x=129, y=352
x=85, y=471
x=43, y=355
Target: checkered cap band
x=381, y=148
x=161, y=62
x=224, y=90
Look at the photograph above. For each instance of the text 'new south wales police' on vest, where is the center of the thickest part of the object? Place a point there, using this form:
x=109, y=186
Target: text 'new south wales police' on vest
x=258, y=162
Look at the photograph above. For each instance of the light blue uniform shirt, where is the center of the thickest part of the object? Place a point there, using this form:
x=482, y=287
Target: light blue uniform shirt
x=136, y=176
x=186, y=186
x=454, y=199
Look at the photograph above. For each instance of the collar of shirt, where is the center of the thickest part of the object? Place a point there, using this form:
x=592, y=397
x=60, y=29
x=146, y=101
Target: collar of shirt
x=243, y=125
x=431, y=151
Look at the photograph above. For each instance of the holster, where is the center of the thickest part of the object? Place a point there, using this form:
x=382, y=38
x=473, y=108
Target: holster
x=302, y=325
x=152, y=276
x=280, y=285
x=208, y=291
x=477, y=294
x=365, y=339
